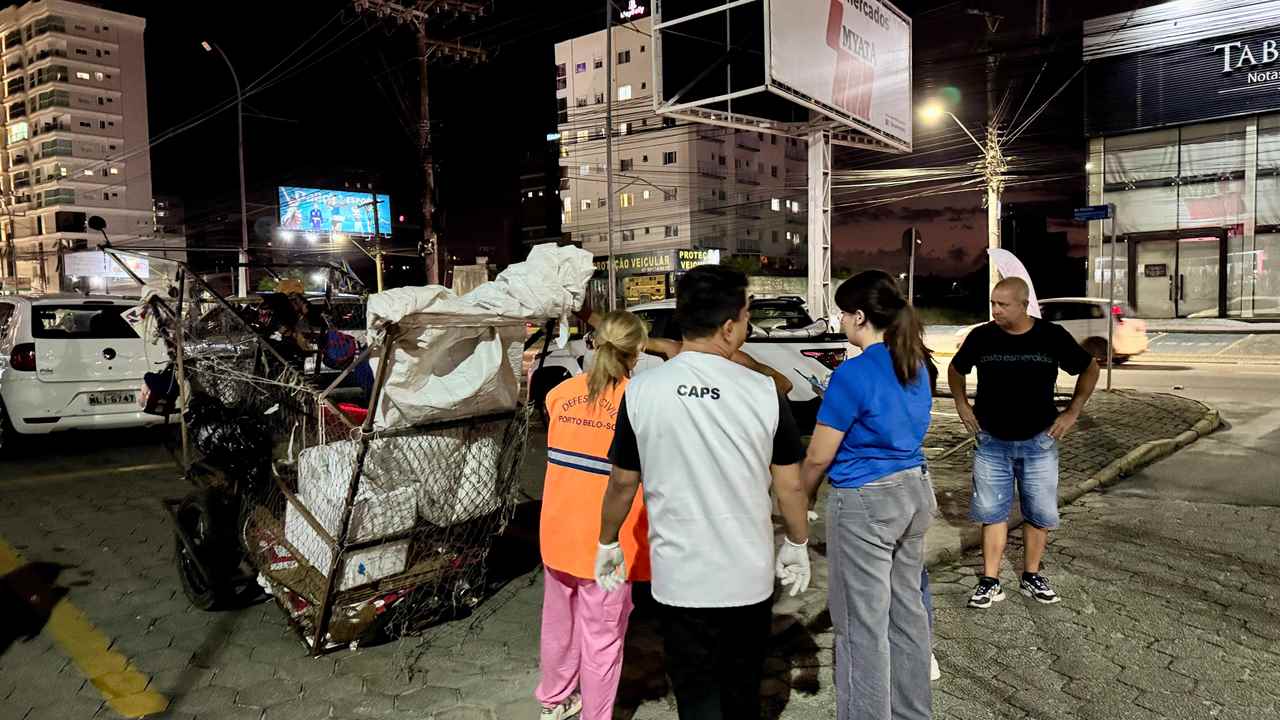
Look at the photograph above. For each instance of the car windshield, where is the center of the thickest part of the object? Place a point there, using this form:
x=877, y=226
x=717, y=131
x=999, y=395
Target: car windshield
x=80, y=322
x=785, y=316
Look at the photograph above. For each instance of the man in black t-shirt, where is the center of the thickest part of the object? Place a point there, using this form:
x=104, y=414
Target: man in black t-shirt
x=1018, y=427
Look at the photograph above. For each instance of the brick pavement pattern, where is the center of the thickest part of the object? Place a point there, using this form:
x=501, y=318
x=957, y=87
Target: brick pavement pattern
x=1215, y=625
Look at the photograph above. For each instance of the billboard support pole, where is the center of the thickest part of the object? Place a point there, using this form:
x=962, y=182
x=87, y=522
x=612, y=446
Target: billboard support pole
x=820, y=224
x=377, y=242
x=1111, y=296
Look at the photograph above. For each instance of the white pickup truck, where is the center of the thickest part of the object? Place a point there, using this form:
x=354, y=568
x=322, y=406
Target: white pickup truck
x=783, y=336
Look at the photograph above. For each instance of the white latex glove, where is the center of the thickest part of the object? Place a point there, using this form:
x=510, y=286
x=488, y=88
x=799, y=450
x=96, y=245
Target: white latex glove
x=792, y=567
x=611, y=567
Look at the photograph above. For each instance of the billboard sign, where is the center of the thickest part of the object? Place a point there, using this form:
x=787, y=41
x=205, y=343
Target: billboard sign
x=333, y=211
x=848, y=59
x=97, y=264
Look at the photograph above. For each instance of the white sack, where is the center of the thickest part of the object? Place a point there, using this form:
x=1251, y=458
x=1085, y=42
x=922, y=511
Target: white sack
x=454, y=357
x=358, y=568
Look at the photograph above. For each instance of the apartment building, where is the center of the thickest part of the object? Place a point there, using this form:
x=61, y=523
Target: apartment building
x=75, y=132
x=677, y=185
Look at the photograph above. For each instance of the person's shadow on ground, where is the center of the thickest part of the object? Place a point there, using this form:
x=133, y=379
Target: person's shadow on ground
x=28, y=596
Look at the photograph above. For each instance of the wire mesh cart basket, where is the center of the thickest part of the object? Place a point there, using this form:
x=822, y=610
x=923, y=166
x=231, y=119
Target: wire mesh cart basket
x=363, y=508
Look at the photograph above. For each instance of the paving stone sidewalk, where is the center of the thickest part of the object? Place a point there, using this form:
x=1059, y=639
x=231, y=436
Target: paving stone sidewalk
x=248, y=664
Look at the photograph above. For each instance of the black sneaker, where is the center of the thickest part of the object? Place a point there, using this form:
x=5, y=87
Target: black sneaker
x=987, y=592
x=1034, y=585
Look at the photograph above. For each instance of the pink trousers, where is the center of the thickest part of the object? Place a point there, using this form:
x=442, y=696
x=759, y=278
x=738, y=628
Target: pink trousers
x=583, y=630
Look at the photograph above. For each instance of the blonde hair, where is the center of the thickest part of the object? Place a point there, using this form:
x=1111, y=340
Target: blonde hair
x=619, y=339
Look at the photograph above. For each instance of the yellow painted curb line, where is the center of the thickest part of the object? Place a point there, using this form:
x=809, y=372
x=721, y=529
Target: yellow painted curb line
x=122, y=685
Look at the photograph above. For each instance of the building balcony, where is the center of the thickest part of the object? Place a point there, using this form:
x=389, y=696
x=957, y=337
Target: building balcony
x=747, y=177
x=711, y=169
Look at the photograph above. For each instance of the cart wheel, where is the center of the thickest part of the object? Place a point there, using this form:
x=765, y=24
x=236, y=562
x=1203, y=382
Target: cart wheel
x=219, y=552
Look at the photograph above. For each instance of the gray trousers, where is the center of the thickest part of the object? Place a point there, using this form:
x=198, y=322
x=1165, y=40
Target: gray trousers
x=875, y=548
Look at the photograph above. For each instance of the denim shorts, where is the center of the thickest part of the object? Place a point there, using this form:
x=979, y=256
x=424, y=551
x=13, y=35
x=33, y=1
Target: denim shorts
x=1030, y=466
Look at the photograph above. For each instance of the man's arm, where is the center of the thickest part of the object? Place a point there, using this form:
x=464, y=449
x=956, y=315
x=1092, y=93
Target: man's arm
x=618, y=498
x=783, y=384
x=1084, y=388
x=958, y=383
x=793, y=501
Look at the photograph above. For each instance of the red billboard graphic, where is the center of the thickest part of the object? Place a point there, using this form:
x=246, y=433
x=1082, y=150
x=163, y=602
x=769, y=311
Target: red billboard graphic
x=855, y=73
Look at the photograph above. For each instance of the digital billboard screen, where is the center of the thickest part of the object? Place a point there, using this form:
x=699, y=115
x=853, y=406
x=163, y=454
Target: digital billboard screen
x=333, y=211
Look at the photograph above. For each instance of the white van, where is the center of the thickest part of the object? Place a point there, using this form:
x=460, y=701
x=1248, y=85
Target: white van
x=69, y=362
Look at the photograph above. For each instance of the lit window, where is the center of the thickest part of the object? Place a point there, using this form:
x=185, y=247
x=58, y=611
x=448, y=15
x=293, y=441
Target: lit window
x=584, y=169
x=582, y=136
x=586, y=204
x=624, y=92
x=624, y=128
x=775, y=205
x=88, y=172
x=626, y=200
x=580, y=68
x=82, y=75
x=98, y=76
x=645, y=195
x=115, y=171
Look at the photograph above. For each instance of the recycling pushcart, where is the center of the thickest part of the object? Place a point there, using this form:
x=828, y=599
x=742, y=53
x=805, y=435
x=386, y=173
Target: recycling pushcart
x=363, y=508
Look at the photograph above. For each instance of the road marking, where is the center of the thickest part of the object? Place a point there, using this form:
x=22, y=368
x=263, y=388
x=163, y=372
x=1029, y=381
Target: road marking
x=96, y=472
x=1224, y=350
x=121, y=684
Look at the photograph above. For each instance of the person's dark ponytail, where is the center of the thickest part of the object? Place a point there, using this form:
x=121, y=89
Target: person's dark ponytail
x=877, y=295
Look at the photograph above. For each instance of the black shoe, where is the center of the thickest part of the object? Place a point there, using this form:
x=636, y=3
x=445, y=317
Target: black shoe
x=987, y=592
x=1034, y=585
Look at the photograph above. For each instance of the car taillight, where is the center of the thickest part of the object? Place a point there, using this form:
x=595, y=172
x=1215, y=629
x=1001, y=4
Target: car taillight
x=23, y=357
x=829, y=358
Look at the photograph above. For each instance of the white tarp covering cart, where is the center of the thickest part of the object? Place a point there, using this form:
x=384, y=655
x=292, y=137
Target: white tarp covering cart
x=359, y=516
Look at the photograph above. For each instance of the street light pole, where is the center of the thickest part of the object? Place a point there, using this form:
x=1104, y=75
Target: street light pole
x=608, y=147
x=243, y=275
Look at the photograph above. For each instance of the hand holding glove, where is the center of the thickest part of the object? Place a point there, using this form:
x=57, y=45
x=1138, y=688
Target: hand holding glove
x=792, y=567
x=611, y=566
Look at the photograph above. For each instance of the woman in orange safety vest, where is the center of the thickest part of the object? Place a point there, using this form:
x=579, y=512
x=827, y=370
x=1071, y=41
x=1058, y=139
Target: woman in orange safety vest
x=583, y=626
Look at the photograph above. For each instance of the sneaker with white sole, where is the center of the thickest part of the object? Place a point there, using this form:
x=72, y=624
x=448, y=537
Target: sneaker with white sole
x=935, y=672
x=1035, y=586
x=987, y=592
x=571, y=706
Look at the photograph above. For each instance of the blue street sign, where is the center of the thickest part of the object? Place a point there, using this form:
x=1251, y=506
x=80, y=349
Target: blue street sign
x=1092, y=212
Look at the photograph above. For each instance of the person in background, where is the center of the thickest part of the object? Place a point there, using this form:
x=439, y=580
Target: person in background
x=667, y=349
x=869, y=441
x=709, y=438
x=1018, y=427
x=583, y=626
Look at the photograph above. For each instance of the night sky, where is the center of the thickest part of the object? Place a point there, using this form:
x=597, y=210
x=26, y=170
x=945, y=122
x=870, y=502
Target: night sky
x=350, y=108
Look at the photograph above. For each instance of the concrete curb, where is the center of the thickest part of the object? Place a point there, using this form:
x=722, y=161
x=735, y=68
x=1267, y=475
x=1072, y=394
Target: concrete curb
x=970, y=536
x=1208, y=359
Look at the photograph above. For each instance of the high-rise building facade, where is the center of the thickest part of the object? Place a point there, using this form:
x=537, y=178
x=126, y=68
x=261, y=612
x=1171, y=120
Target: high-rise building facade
x=677, y=185
x=75, y=133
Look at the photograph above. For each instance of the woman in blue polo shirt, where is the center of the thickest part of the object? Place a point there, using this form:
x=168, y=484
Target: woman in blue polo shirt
x=869, y=442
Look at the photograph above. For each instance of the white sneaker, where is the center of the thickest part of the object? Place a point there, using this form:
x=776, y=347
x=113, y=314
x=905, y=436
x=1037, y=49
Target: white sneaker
x=567, y=709
x=935, y=673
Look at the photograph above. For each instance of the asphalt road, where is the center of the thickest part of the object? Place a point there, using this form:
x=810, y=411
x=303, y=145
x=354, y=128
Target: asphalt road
x=1236, y=465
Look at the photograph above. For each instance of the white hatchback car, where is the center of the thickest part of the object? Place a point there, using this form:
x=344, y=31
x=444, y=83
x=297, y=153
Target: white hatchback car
x=1086, y=319
x=69, y=362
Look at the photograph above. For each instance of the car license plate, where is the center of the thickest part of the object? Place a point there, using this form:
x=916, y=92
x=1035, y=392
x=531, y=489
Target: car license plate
x=112, y=398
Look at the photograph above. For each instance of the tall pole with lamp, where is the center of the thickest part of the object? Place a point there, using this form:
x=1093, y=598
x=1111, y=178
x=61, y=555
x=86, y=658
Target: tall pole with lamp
x=242, y=276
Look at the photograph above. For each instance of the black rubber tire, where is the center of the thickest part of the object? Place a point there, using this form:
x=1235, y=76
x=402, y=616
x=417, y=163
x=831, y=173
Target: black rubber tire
x=8, y=436
x=213, y=535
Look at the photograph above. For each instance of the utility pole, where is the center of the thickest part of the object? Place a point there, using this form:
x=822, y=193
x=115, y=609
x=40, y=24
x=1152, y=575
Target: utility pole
x=608, y=144
x=418, y=15
x=994, y=163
